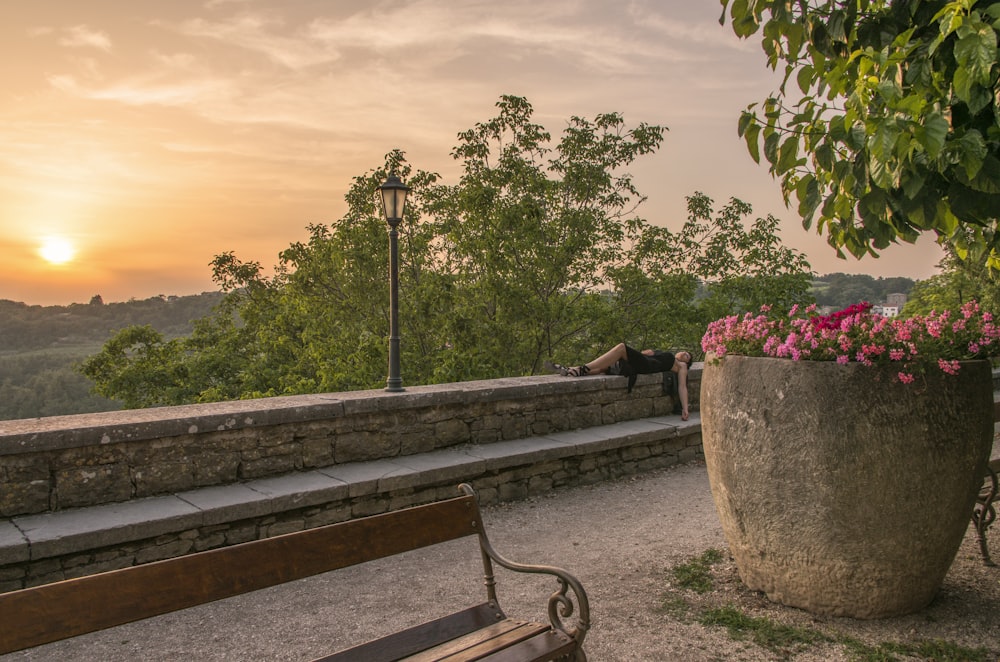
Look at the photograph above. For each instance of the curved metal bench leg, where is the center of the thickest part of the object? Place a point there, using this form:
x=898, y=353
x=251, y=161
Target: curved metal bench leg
x=984, y=514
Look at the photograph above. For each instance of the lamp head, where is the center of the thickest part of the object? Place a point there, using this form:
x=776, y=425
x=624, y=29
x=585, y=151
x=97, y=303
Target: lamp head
x=393, y=199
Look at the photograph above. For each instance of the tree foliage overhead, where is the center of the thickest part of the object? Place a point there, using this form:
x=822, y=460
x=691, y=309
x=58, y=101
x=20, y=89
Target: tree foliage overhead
x=887, y=122
x=535, y=253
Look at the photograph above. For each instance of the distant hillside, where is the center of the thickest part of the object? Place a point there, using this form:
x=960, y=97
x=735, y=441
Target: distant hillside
x=40, y=345
x=24, y=327
x=842, y=290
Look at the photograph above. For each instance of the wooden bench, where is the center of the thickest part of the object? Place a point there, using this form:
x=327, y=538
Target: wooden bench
x=984, y=513
x=42, y=614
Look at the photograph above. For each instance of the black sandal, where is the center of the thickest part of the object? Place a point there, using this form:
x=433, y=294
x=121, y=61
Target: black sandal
x=575, y=371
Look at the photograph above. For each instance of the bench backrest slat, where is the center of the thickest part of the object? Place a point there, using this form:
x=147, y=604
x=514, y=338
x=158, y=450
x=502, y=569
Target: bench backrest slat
x=42, y=614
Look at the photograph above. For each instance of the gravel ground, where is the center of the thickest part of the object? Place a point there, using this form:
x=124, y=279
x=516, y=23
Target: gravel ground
x=623, y=539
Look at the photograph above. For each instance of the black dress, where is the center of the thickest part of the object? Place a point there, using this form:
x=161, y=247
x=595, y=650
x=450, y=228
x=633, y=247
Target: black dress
x=647, y=365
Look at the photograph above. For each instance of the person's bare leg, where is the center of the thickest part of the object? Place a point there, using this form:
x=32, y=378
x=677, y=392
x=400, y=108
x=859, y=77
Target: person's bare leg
x=608, y=359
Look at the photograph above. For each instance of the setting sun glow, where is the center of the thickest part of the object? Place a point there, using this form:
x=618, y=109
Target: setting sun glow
x=56, y=250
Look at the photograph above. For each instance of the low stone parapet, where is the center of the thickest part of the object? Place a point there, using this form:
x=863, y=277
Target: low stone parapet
x=41, y=548
x=61, y=462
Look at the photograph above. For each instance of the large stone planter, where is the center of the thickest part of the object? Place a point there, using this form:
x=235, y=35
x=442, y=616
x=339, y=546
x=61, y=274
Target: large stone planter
x=840, y=490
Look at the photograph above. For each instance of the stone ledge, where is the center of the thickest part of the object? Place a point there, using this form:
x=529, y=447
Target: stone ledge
x=102, y=428
x=38, y=537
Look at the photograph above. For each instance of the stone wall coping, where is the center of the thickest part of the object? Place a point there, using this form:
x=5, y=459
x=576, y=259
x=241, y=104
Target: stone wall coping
x=78, y=430
x=35, y=537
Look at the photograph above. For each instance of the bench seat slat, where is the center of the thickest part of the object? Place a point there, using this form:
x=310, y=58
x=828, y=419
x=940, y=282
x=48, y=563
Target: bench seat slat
x=420, y=637
x=478, y=645
x=549, y=645
x=47, y=613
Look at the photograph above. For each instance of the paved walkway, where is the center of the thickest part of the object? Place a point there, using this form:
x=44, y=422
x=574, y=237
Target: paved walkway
x=620, y=538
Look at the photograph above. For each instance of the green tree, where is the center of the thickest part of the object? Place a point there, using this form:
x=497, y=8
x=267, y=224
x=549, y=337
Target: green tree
x=958, y=282
x=743, y=267
x=894, y=129
x=531, y=232
x=535, y=253
x=140, y=368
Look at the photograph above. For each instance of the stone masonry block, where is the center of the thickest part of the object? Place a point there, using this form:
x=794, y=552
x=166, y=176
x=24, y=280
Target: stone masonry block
x=13, y=544
x=362, y=446
x=228, y=503
x=86, y=485
x=269, y=466
x=317, y=452
x=450, y=432
x=418, y=441
x=69, y=532
x=166, y=550
x=299, y=490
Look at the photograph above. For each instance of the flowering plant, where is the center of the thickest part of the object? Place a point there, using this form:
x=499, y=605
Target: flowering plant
x=858, y=335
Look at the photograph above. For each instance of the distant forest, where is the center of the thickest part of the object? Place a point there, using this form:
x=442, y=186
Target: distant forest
x=40, y=346
x=842, y=290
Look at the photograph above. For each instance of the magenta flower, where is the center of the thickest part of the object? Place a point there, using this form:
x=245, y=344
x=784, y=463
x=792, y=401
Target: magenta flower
x=855, y=334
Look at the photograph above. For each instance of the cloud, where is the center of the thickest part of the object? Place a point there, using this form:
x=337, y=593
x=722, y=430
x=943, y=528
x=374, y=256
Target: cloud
x=261, y=33
x=81, y=36
x=214, y=4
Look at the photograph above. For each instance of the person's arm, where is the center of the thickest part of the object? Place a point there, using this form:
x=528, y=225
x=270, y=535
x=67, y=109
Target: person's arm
x=682, y=389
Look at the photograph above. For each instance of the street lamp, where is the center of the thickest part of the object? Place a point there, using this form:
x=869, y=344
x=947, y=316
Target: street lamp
x=393, y=200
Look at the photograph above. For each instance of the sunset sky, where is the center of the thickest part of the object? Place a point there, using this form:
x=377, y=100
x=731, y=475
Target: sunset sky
x=141, y=138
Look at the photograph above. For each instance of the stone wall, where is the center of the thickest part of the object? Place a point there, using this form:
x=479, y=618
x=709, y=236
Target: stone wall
x=84, y=494
x=63, y=462
x=152, y=540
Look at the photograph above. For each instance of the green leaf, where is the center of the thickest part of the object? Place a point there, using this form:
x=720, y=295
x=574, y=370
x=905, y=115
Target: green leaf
x=933, y=133
x=972, y=153
x=882, y=174
x=788, y=154
x=746, y=119
x=912, y=183
x=825, y=156
x=976, y=53
x=805, y=78
x=752, y=137
x=745, y=23
x=808, y=193
x=882, y=144
x=856, y=136
x=771, y=148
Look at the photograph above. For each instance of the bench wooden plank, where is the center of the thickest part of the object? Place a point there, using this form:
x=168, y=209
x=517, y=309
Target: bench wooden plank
x=551, y=645
x=421, y=637
x=479, y=644
x=43, y=614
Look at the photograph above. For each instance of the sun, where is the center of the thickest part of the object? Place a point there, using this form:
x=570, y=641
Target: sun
x=56, y=250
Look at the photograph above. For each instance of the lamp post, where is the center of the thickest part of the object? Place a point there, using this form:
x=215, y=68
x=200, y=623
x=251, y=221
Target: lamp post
x=393, y=200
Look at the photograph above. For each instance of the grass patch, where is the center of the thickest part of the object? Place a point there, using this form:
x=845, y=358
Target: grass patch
x=781, y=639
x=933, y=651
x=695, y=575
x=675, y=607
x=943, y=651
x=785, y=641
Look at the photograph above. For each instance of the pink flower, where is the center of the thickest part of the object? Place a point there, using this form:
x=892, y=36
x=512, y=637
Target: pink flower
x=950, y=367
x=910, y=345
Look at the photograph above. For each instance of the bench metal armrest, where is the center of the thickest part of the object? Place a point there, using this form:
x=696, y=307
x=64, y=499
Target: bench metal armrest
x=561, y=603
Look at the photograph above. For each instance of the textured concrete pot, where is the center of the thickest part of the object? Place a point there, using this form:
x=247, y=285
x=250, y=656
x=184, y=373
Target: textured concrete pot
x=841, y=491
